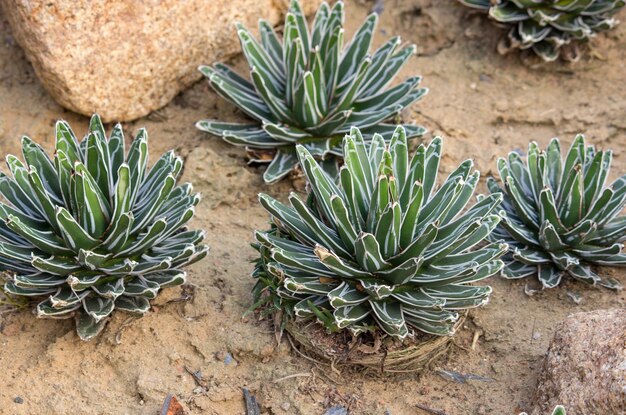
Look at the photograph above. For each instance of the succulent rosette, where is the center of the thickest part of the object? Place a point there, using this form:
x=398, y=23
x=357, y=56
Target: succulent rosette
x=93, y=230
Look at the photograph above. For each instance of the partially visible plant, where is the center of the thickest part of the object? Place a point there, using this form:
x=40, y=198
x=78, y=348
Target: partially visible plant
x=94, y=230
x=8, y=303
x=558, y=410
x=558, y=216
x=308, y=89
x=547, y=25
x=383, y=248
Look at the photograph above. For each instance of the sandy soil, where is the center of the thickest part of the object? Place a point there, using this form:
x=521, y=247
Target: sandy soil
x=483, y=104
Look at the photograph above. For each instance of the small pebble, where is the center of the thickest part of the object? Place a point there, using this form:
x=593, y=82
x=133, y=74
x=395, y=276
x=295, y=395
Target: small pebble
x=221, y=355
x=502, y=105
x=536, y=335
x=336, y=410
x=285, y=406
x=18, y=400
x=173, y=357
x=378, y=8
x=228, y=359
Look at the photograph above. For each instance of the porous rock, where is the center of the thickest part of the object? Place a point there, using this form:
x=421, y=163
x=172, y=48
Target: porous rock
x=585, y=368
x=124, y=59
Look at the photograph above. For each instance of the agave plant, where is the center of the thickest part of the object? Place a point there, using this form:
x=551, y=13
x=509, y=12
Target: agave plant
x=94, y=230
x=546, y=25
x=558, y=216
x=309, y=89
x=382, y=248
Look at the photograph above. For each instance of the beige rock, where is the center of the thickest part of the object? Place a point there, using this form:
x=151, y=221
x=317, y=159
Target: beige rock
x=124, y=58
x=585, y=369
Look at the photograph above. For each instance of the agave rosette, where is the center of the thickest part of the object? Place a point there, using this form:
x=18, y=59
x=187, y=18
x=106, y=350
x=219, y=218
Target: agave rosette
x=547, y=25
x=559, y=216
x=382, y=247
x=94, y=230
x=308, y=89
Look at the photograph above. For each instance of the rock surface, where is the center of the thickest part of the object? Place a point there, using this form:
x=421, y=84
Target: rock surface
x=585, y=369
x=123, y=58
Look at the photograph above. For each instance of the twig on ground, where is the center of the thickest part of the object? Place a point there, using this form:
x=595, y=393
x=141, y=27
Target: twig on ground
x=293, y=347
x=430, y=410
x=477, y=335
x=188, y=293
x=295, y=375
x=197, y=377
x=460, y=346
x=316, y=362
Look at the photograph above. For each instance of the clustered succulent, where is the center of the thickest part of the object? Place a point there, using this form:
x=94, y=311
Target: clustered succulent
x=547, y=25
x=558, y=216
x=94, y=230
x=310, y=90
x=384, y=247
x=375, y=245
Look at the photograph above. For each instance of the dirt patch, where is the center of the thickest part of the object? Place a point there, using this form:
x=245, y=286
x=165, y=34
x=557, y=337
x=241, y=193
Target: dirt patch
x=482, y=103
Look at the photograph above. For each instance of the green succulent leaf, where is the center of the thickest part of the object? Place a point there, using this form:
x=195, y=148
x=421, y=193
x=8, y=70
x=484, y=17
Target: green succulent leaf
x=88, y=327
x=133, y=305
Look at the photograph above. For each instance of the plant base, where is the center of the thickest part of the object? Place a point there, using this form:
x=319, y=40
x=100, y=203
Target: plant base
x=371, y=353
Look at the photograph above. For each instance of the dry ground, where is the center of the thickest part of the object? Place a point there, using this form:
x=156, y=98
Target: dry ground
x=482, y=103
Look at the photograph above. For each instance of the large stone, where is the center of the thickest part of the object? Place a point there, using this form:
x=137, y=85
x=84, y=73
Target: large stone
x=585, y=369
x=124, y=58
